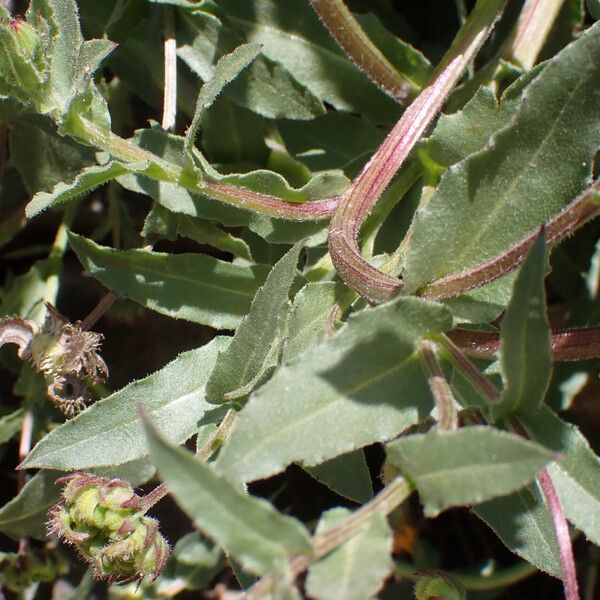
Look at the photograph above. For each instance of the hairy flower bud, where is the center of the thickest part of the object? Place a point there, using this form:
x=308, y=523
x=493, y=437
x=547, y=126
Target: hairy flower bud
x=21, y=60
x=104, y=519
x=437, y=585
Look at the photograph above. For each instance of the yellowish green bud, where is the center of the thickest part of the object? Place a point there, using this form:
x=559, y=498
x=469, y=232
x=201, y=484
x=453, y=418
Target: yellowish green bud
x=438, y=586
x=104, y=519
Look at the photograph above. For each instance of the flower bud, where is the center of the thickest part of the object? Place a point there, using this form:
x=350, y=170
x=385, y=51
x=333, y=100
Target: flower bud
x=21, y=67
x=438, y=586
x=104, y=519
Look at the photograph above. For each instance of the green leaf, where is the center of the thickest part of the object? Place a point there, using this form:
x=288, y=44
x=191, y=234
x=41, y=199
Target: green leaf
x=109, y=432
x=297, y=40
x=194, y=287
x=525, y=341
x=467, y=466
x=85, y=181
x=10, y=425
x=544, y=155
x=347, y=475
x=227, y=69
x=233, y=134
x=27, y=513
x=265, y=88
x=524, y=524
x=355, y=570
x=56, y=158
x=309, y=323
x=411, y=63
x=206, y=232
x=255, y=346
x=332, y=141
x=247, y=528
x=576, y=474
x=363, y=385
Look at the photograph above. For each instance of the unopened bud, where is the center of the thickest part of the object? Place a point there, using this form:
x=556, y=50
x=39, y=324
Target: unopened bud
x=438, y=586
x=104, y=519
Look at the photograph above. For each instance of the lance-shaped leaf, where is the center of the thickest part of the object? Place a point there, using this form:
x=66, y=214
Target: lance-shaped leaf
x=85, y=181
x=27, y=513
x=297, y=40
x=254, y=347
x=310, y=320
x=524, y=524
x=576, y=475
x=347, y=475
x=355, y=570
x=249, y=529
x=265, y=87
x=109, y=432
x=467, y=466
x=363, y=385
x=525, y=341
x=227, y=69
x=195, y=287
x=529, y=171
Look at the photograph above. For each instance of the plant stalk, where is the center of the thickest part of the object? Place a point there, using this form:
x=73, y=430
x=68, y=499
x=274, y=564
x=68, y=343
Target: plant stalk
x=534, y=25
x=396, y=492
x=440, y=390
x=265, y=204
x=576, y=214
x=352, y=39
x=356, y=203
x=567, y=344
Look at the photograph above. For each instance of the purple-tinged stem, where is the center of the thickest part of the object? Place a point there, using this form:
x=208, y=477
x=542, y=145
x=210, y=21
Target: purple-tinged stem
x=584, y=208
x=352, y=39
x=561, y=527
x=440, y=390
x=534, y=25
x=15, y=330
x=356, y=203
x=567, y=344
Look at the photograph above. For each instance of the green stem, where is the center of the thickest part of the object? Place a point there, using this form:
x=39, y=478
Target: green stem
x=163, y=170
x=478, y=583
x=354, y=206
x=396, y=492
x=352, y=39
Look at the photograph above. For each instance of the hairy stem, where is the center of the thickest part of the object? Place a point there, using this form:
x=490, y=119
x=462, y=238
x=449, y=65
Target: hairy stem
x=483, y=385
x=204, y=453
x=581, y=210
x=396, y=492
x=440, y=390
x=561, y=527
x=356, y=203
x=352, y=39
x=567, y=344
x=534, y=25
x=265, y=204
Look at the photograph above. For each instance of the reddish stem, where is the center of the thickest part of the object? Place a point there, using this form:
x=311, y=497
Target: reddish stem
x=561, y=527
x=567, y=344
